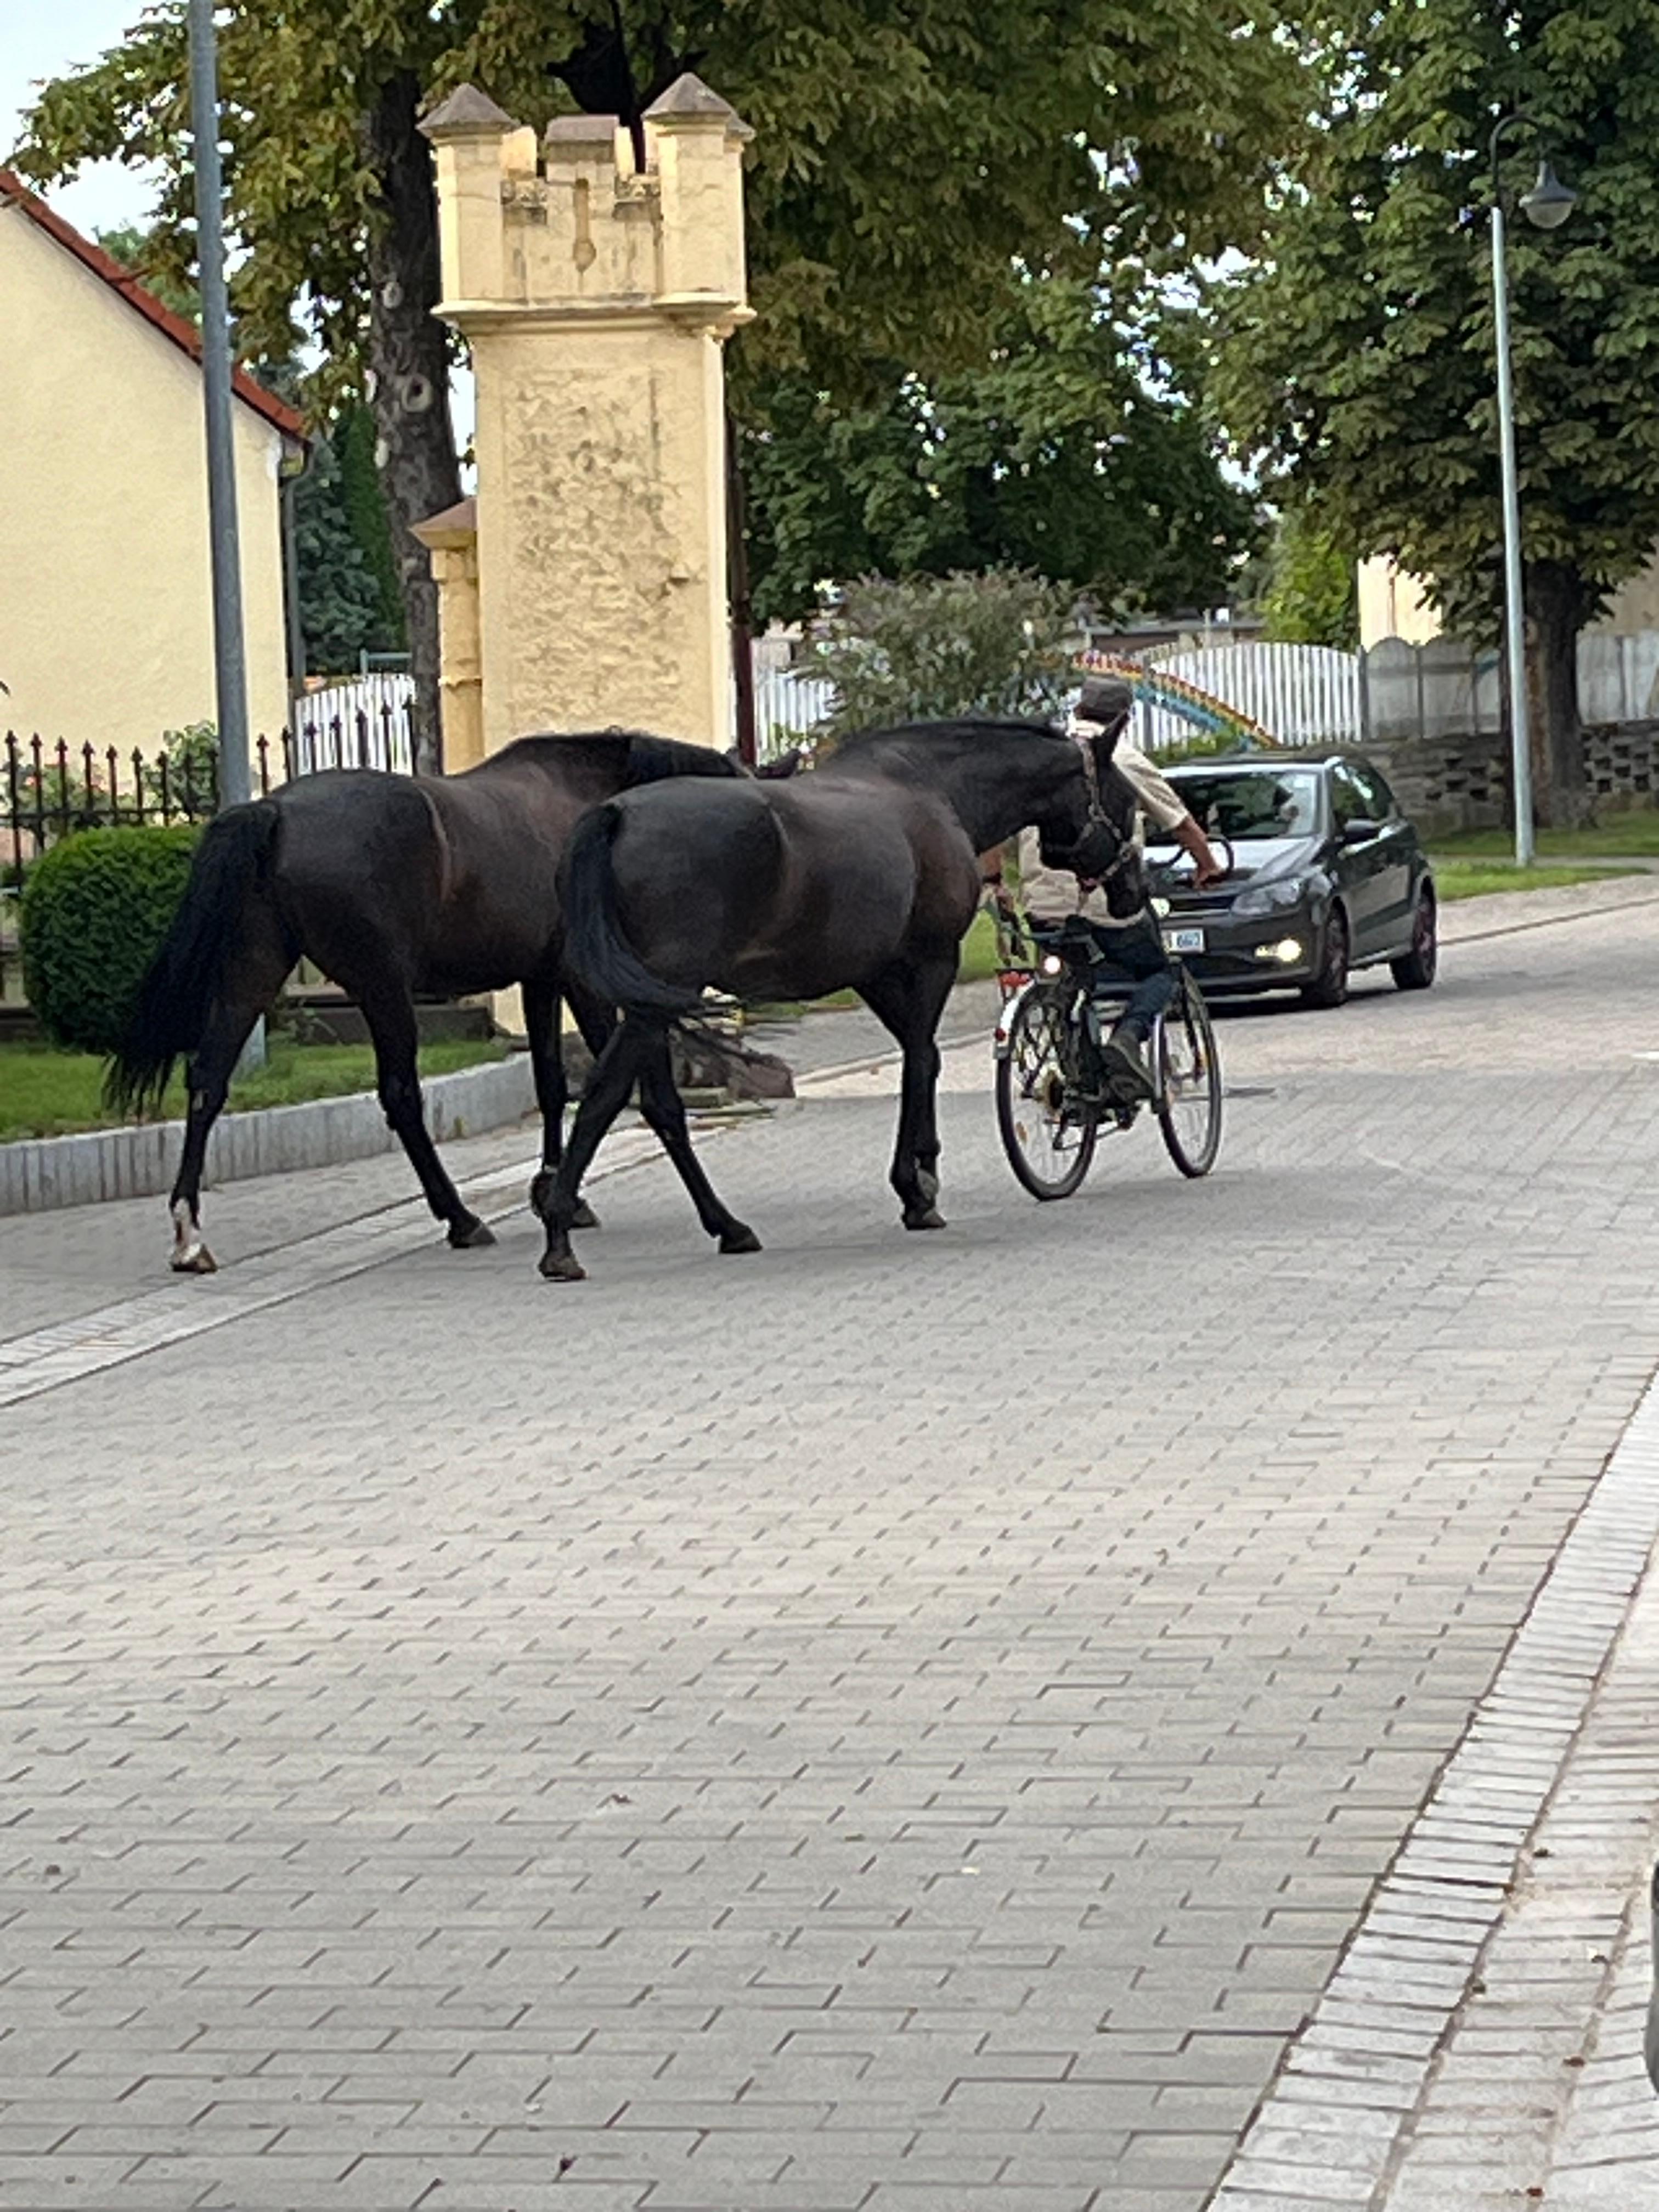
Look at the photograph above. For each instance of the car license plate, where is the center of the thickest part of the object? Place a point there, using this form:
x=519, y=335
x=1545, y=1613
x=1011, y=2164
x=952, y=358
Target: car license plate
x=1183, y=941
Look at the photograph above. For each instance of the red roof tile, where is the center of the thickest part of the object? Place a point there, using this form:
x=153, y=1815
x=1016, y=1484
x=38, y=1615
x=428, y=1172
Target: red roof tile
x=14, y=193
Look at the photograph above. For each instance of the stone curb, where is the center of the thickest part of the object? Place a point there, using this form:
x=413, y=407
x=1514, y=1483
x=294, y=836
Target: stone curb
x=38, y=1174
x=1328, y=2135
x=1494, y=913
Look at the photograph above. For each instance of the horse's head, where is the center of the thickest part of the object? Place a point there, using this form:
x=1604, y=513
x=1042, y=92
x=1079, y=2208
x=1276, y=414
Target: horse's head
x=1089, y=814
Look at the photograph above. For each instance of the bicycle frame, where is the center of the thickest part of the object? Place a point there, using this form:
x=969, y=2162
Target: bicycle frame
x=1021, y=964
x=1063, y=972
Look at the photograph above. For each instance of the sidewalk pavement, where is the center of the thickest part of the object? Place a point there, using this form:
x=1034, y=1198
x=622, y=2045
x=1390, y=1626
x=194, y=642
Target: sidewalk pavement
x=894, y=1724
x=1480, y=2045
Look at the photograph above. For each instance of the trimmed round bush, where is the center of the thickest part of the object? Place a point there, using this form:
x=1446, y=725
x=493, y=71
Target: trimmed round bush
x=94, y=911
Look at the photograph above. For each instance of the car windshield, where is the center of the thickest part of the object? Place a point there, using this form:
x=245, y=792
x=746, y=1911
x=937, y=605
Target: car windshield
x=1248, y=804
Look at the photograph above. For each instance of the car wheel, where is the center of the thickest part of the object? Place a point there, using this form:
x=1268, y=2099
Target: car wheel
x=1415, y=971
x=1330, y=987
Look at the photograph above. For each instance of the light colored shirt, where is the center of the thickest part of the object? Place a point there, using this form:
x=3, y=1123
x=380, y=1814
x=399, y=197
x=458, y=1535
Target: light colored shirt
x=1054, y=894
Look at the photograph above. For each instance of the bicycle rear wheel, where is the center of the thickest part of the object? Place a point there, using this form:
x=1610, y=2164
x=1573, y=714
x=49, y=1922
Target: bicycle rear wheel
x=1048, y=1138
x=1189, y=1070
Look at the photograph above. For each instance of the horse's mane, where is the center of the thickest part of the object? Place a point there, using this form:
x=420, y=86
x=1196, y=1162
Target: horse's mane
x=915, y=742
x=651, y=759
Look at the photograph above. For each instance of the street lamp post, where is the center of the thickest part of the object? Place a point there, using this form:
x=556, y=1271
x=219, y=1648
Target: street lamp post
x=229, y=652
x=1546, y=206
x=229, y=660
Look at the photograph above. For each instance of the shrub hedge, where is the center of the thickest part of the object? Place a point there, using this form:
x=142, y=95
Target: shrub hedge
x=94, y=910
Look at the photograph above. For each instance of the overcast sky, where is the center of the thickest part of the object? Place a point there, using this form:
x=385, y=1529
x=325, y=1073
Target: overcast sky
x=41, y=39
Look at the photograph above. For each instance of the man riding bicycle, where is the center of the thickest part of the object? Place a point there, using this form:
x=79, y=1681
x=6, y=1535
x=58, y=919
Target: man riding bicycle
x=1131, y=944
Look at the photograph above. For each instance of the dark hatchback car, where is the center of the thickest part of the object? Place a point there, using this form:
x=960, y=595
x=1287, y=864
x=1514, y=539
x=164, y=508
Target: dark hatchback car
x=1328, y=876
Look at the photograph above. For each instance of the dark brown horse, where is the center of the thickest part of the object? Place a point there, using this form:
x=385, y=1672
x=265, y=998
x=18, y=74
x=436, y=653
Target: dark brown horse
x=863, y=873
x=391, y=885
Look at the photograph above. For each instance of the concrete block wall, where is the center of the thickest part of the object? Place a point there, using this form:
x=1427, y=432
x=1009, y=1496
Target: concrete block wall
x=1462, y=781
x=39, y=1174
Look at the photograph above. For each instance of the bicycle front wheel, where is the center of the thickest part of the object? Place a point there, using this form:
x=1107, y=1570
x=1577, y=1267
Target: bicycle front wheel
x=1049, y=1137
x=1188, y=1069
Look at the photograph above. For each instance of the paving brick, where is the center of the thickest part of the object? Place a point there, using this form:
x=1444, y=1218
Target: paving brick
x=795, y=1704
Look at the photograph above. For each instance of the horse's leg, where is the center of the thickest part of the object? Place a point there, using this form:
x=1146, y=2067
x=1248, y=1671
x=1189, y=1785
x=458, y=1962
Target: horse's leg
x=541, y=1021
x=390, y=1012
x=261, y=964
x=908, y=999
x=615, y=1073
x=665, y=1114
x=665, y=1109
x=597, y=1024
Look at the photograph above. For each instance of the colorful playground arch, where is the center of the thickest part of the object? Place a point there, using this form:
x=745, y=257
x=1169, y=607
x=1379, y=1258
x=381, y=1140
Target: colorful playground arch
x=1202, y=710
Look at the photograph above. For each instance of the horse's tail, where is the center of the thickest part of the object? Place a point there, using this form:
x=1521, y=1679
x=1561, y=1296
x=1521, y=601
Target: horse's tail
x=595, y=943
x=182, y=982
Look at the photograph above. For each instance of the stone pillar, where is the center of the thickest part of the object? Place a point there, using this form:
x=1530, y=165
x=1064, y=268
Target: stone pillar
x=596, y=302
x=452, y=540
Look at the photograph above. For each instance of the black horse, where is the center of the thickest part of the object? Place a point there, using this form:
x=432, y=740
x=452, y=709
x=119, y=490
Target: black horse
x=392, y=884
x=864, y=873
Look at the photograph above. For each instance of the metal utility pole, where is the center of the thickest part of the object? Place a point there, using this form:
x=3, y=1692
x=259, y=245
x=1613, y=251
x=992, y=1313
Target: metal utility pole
x=1515, y=618
x=229, y=654
x=1547, y=207
x=229, y=649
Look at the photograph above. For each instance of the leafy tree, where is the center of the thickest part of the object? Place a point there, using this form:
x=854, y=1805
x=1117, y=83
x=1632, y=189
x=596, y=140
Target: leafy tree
x=1361, y=352
x=930, y=646
x=342, y=600
x=1311, y=593
x=154, y=265
x=364, y=503
x=903, y=158
x=1068, y=449
x=191, y=783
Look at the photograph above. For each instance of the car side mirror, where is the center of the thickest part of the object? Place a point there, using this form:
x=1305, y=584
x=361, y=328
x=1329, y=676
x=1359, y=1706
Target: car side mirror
x=1360, y=832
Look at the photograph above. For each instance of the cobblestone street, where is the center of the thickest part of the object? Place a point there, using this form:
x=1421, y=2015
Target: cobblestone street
x=894, y=1724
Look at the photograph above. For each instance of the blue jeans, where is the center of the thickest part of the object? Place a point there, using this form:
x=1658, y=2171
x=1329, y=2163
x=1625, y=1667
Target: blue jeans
x=1134, y=953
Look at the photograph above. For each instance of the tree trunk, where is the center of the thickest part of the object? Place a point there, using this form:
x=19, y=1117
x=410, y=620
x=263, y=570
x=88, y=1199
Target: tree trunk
x=408, y=357
x=1557, y=605
x=736, y=584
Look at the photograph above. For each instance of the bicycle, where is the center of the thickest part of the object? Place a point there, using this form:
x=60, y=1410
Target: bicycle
x=1052, y=1097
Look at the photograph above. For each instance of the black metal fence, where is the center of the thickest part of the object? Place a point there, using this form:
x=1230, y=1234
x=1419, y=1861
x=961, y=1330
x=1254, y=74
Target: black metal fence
x=48, y=789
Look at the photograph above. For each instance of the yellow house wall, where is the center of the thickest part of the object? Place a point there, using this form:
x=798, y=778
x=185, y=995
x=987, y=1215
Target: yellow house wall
x=1394, y=604
x=1635, y=606
x=106, y=609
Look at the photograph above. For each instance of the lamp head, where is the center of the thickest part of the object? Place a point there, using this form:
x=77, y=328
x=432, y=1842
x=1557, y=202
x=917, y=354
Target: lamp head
x=1550, y=202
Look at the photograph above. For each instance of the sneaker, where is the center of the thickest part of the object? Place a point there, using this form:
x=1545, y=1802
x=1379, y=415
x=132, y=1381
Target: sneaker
x=1123, y=1062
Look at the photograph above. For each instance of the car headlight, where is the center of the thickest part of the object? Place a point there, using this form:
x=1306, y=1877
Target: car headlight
x=1270, y=898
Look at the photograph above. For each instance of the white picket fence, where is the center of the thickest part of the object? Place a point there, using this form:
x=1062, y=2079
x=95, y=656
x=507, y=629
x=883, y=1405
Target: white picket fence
x=788, y=707
x=1301, y=695
x=362, y=722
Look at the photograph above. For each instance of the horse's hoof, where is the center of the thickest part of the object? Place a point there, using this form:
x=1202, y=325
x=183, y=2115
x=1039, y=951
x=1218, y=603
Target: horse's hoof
x=194, y=1260
x=928, y=1218
x=739, y=1240
x=471, y=1235
x=584, y=1217
x=561, y=1267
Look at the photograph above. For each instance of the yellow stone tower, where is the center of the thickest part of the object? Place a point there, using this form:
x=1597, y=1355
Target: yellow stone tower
x=596, y=301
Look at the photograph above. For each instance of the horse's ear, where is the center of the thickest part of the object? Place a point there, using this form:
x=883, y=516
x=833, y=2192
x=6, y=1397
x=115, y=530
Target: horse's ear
x=740, y=766
x=786, y=764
